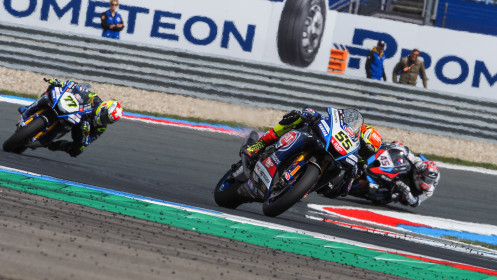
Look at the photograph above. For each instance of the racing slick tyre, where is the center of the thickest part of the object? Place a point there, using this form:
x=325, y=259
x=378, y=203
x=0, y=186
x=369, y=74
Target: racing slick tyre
x=281, y=200
x=18, y=141
x=300, y=31
x=225, y=193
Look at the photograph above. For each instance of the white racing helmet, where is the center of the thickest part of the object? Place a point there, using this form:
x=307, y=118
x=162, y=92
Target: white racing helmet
x=427, y=177
x=108, y=112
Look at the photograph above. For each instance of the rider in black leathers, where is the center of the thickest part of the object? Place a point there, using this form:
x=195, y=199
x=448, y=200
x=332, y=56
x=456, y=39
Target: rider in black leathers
x=412, y=186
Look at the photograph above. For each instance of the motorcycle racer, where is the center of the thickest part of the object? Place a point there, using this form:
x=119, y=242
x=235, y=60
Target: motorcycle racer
x=414, y=186
x=296, y=119
x=91, y=126
x=291, y=120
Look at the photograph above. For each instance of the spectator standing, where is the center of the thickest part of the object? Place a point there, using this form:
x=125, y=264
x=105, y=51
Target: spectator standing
x=374, y=62
x=409, y=68
x=112, y=21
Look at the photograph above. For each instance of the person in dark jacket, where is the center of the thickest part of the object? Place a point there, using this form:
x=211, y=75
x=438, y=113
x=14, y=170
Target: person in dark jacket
x=374, y=62
x=112, y=21
x=409, y=68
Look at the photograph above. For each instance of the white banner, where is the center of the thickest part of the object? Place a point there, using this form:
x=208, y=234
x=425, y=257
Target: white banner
x=295, y=33
x=456, y=61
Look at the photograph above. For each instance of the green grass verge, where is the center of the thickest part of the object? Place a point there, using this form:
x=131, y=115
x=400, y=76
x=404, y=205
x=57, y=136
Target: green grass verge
x=461, y=161
x=472, y=242
x=238, y=125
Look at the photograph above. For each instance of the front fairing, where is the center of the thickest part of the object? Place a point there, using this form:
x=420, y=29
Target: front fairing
x=70, y=104
x=387, y=164
x=290, y=144
x=341, y=140
x=331, y=140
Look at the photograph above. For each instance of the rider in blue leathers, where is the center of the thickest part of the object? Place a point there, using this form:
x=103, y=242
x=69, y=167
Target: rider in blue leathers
x=292, y=120
x=90, y=127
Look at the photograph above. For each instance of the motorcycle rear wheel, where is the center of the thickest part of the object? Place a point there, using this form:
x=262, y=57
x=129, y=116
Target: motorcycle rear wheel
x=18, y=141
x=275, y=205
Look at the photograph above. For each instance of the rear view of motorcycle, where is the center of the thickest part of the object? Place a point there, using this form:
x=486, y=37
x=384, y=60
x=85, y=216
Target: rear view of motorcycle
x=64, y=109
x=302, y=161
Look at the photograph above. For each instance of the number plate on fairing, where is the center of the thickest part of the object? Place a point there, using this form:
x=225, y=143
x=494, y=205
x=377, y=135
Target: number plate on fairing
x=385, y=160
x=68, y=103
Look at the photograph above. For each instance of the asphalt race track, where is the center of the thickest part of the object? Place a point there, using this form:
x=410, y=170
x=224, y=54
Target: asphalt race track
x=183, y=166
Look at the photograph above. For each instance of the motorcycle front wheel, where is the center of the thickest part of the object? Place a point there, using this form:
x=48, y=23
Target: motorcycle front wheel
x=18, y=141
x=225, y=193
x=284, y=197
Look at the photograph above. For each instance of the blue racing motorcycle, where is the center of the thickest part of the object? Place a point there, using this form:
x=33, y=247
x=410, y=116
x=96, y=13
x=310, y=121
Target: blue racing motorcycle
x=304, y=160
x=66, y=108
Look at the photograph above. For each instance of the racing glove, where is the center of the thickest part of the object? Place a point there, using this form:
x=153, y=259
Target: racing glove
x=310, y=116
x=54, y=82
x=85, y=128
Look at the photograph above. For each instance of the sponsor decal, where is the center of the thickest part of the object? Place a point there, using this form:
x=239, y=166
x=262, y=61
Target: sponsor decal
x=376, y=136
x=337, y=146
x=471, y=73
x=325, y=125
x=336, y=116
x=350, y=161
x=288, y=138
x=349, y=130
x=275, y=159
x=287, y=176
x=263, y=174
x=56, y=93
x=323, y=130
x=175, y=25
x=268, y=163
x=353, y=157
x=297, y=168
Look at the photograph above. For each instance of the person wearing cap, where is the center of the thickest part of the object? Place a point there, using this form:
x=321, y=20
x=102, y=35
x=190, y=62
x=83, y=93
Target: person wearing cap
x=409, y=68
x=374, y=62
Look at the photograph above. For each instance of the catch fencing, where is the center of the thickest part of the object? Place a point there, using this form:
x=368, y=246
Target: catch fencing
x=244, y=82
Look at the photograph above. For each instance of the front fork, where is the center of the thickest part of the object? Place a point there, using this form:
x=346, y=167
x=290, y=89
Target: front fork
x=39, y=114
x=292, y=173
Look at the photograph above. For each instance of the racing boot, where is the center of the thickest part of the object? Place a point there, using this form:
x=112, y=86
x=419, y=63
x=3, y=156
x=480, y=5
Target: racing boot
x=256, y=149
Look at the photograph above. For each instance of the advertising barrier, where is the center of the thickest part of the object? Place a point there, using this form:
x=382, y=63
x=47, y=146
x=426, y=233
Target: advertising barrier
x=295, y=33
x=455, y=61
